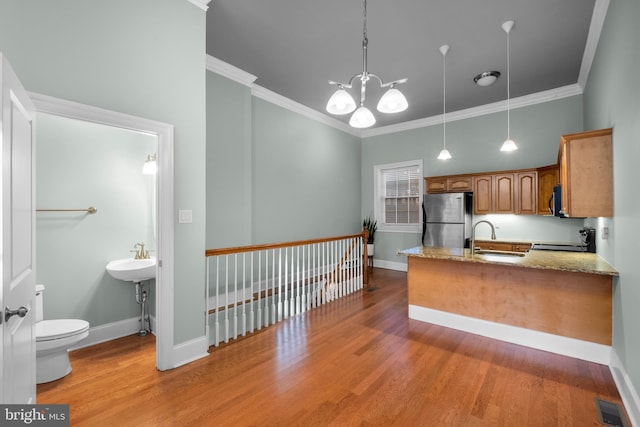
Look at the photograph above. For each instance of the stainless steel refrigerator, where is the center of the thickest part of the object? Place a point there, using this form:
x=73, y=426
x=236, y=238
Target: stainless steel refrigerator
x=446, y=219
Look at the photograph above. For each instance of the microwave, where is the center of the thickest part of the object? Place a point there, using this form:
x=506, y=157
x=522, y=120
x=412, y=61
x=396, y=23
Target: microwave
x=555, y=202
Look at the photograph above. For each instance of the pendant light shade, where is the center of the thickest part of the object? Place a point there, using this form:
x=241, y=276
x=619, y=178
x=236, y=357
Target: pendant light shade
x=341, y=102
x=444, y=153
x=393, y=101
x=362, y=118
x=509, y=144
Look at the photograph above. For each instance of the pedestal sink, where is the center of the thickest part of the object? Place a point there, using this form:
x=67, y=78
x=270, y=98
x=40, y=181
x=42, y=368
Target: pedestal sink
x=132, y=270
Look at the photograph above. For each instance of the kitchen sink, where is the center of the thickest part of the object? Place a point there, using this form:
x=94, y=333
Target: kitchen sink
x=500, y=253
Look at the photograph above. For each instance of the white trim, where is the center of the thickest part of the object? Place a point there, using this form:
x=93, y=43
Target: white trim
x=281, y=101
x=625, y=387
x=565, y=346
x=229, y=71
x=165, y=199
x=495, y=107
x=390, y=265
x=109, y=331
x=190, y=351
x=595, y=29
x=378, y=189
x=202, y=4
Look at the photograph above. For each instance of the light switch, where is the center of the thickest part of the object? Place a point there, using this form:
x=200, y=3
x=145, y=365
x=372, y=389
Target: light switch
x=185, y=217
x=605, y=233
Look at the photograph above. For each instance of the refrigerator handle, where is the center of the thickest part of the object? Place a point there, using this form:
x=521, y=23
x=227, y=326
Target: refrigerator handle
x=424, y=222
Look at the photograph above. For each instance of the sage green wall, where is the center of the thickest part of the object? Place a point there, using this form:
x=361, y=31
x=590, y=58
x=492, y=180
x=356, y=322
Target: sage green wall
x=274, y=175
x=612, y=99
x=306, y=177
x=475, y=144
x=145, y=58
x=229, y=163
x=82, y=164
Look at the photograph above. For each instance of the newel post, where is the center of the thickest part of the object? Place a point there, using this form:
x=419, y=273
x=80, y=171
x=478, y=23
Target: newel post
x=365, y=256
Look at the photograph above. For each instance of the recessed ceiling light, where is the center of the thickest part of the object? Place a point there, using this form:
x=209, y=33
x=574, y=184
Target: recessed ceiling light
x=487, y=78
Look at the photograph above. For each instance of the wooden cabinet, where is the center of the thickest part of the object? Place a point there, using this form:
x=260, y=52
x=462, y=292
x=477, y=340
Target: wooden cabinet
x=503, y=246
x=506, y=193
x=586, y=174
x=449, y=184
x=548, y=177
x=482, y=194
x=526, y=194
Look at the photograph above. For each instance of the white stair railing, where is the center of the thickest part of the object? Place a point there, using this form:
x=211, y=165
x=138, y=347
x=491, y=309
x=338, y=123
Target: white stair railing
x=252, y=287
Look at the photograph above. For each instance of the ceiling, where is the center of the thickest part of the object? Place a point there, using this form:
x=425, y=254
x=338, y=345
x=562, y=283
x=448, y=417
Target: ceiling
x=295, y=47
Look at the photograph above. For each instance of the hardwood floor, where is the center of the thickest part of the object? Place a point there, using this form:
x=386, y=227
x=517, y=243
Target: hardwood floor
x=356, y=361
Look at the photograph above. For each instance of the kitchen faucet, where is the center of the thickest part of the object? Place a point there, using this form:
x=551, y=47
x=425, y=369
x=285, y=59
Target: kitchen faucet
x=473, y=234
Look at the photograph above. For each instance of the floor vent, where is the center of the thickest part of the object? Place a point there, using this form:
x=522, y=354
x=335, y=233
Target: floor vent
x=610, y=414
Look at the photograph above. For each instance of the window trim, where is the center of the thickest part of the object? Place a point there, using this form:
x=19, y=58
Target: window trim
x=378, y=189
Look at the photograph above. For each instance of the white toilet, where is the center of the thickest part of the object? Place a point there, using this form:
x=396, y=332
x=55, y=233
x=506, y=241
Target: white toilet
x=53, y=339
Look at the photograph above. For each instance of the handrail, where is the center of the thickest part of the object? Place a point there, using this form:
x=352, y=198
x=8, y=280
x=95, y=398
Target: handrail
x=252, y=248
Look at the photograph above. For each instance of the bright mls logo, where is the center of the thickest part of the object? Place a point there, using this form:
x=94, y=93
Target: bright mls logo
x=34, y=415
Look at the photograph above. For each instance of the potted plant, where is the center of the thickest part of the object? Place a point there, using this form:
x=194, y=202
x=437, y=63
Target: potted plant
x=371, y=225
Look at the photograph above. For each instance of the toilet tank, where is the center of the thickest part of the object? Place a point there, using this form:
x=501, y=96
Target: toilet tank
x=39, y=308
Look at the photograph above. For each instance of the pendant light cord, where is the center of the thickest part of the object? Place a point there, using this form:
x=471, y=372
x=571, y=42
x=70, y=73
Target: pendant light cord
x=444, y=101
x=508, y=91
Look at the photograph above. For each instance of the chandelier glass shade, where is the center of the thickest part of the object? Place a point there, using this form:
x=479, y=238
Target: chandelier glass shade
x=341, y=102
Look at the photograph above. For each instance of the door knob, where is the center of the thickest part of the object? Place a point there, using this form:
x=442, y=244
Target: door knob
x=21, y=312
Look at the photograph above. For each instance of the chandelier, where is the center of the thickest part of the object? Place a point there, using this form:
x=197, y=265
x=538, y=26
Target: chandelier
x=341, y=102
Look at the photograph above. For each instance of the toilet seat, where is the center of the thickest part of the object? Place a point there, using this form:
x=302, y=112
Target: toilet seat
x=48, y=330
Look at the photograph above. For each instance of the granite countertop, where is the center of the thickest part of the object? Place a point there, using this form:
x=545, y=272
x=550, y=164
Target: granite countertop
x=578, y=262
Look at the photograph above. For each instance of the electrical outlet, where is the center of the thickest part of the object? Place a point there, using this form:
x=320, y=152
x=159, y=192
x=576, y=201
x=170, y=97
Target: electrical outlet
x=604, y=233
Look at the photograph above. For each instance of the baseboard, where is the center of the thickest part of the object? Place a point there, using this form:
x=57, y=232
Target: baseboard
x=571, y=347
x=625, y=388
x=390, y=265
x=190, y=351
x=112, y=331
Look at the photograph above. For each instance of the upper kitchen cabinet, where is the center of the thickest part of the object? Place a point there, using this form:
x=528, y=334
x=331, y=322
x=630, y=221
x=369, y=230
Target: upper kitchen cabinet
x=586, y=174
x=449, y=184
x=548, y=177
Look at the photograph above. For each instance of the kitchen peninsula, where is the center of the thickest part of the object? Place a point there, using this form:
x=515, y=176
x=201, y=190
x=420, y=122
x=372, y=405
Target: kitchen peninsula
x=555, y=301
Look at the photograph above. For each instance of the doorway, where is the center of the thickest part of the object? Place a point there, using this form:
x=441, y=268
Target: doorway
x=163, y=134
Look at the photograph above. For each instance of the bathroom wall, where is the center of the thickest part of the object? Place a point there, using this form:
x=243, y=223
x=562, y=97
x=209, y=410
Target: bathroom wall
x=81, y=164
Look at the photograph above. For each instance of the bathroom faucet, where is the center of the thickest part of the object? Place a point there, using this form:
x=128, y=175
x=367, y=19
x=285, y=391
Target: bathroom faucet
x=141, y=254
x=473, y=234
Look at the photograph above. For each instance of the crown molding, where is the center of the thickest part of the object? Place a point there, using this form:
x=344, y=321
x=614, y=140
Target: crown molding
x=296, y=107
x=597, y=22
x=202, y=4
x=229, y=71
x=495, y=107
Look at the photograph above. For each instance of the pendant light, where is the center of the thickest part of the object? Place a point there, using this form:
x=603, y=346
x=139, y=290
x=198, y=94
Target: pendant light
x=341, y=102
x=444, y=154
x=509, y=144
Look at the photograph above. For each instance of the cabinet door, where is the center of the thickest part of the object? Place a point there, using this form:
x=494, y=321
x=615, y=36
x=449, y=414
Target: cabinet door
x=460, y=183
x=526, y=192
x=482, y=194
x=586, y=173
x=548, y=177
x=436, y=185
x=503, y=193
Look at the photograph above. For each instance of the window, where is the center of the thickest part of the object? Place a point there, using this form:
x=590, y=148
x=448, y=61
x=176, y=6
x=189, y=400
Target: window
x=398, y=196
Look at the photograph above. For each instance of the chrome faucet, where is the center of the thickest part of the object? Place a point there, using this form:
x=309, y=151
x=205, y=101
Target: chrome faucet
x=473, y=234
x=141, y=253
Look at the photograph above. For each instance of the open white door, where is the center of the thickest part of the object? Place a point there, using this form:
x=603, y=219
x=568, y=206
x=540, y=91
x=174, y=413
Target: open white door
x=17, y=265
